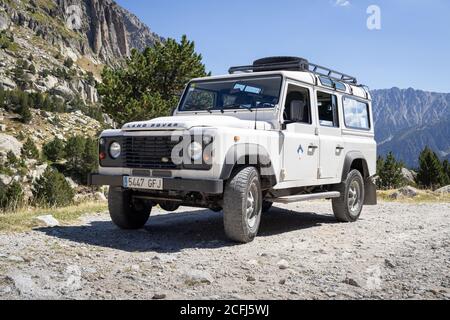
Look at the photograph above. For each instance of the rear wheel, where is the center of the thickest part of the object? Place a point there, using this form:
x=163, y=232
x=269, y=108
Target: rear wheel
x=126, y=212
x=243, y=205
x=348, y=207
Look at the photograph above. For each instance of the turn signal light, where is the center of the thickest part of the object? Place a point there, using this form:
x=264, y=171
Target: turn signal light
x=102, y=156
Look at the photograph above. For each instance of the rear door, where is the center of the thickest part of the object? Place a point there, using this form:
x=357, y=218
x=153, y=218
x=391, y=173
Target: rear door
x=331, y=152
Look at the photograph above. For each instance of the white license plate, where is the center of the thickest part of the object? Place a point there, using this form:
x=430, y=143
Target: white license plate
x=143, y=183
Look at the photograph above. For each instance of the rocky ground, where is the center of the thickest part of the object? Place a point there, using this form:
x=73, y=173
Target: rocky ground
x=396, y=251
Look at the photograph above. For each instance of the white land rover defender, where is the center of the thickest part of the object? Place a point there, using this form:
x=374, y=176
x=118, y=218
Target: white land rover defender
x=279, y=131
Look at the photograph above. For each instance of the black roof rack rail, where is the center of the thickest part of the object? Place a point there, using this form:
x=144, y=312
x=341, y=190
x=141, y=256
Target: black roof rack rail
x=297, y=66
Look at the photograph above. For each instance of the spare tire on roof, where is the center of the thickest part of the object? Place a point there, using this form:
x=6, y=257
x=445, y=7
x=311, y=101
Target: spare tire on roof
x=302, y=64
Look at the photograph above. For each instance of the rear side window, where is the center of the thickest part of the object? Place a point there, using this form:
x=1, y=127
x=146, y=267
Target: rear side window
x=356, y=114
x=327, y=108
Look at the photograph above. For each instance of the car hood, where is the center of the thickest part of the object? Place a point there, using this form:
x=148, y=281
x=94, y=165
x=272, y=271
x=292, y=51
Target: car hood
x=189, y=122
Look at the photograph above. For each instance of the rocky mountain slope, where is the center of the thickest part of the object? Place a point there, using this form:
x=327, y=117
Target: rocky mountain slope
x=46, y=33
x=408, y=120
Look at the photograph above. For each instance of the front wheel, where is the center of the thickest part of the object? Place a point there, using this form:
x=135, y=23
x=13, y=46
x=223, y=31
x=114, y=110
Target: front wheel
x=127, y=213
x=243, y=205
x=348, y=207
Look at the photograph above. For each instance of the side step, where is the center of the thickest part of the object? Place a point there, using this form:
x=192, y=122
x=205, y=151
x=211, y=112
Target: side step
x=306, y=197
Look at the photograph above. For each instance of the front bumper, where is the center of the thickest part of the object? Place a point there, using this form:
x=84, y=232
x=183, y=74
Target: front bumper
x=170, y=184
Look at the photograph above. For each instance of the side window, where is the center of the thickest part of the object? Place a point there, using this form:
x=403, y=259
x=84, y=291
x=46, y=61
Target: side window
x=298, y=105
x=327, y=108
x=356, y=114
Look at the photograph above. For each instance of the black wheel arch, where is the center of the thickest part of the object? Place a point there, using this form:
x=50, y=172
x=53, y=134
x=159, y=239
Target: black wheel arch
x=355, y=160
x=250, y=155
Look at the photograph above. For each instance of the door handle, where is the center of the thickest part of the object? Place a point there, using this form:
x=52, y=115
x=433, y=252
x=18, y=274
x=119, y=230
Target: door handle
x=313, y=146
x=340, y=147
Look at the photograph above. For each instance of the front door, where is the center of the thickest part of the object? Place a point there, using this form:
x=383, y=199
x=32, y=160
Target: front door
x=300, y=142
x=331, y=141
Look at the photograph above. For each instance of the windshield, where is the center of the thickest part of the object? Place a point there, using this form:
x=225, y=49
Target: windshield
x=245, y=93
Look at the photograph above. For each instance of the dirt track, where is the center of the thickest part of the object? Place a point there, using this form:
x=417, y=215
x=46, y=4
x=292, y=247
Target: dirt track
x=394, y=251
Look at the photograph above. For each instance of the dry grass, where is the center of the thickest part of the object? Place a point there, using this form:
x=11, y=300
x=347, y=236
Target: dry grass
x=87, y=65
x=424, y=196
x=25, y=219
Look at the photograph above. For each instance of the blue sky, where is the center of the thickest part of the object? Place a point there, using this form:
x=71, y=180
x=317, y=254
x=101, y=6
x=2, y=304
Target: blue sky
x=412, y=49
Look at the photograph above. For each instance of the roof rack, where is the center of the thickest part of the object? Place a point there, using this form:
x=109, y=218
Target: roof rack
x=297, y=66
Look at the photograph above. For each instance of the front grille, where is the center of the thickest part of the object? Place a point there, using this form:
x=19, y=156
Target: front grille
x=149, y=152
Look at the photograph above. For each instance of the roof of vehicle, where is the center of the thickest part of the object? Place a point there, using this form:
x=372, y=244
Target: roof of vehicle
x=299, y=69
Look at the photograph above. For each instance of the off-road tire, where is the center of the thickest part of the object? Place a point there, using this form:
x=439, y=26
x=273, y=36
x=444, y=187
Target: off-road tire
x=239, y=225
x=126, y=213
x=341, y=206
x=266, y=206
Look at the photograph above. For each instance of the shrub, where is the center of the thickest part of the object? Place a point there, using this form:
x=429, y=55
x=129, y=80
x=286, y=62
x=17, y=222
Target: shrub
x=11, y=196
x=54, y=150
x=68, y=63
x=52, y=189
x=25, y=113
x=90, y=158
x=389, y=173
x=12, y=160
x=29, y=150
x=74, y=152
x=431, y=172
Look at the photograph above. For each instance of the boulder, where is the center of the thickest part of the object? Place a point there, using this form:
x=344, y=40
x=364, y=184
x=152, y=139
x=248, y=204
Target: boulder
x=7, y=83
x=9, y=143
x=63, y=91
x=444, y=190
x=37, y=172
x=4, y=21
x=2, y=127
x=409, y=175
x=48, y=220
x=405, y=192
x=50, y=82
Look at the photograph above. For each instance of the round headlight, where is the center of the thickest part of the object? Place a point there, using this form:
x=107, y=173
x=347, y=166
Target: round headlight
x=195, y=151
x=115, y=150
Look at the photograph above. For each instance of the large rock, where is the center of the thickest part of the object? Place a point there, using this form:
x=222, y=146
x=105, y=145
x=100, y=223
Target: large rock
x=37, y=172
x=409, y=175
x=9, y=143
x=4, y=21
x=48, y=220
x=7, y=83
x=63, y=91
x=405, y=192
x=444, y=190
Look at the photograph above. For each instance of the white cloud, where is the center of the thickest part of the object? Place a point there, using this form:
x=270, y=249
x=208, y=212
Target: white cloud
x=342, y=3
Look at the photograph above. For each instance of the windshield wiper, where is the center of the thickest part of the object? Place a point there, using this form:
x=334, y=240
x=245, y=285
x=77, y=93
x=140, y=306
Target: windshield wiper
x=237, y=106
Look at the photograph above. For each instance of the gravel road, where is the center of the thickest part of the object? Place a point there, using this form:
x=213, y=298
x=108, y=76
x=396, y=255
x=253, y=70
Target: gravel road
x=396, y=251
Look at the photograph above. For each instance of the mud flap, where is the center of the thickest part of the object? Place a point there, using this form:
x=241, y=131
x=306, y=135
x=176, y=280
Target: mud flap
x=370, y=192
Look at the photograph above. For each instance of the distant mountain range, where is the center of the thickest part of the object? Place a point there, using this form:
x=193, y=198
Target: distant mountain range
x=407, y=120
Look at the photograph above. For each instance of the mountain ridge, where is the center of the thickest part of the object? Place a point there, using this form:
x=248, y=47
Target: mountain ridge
x=408, y=120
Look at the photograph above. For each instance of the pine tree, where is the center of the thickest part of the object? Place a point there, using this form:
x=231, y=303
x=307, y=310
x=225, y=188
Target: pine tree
x=149, y=84
x=54, y=150
x=431, y=173
x=389, y=173
x=446, y=169
x=29, y=150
